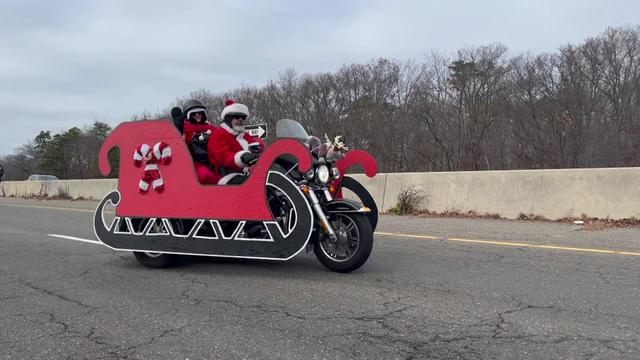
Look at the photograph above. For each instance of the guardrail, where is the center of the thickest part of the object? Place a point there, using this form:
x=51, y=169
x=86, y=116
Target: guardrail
x=553, y=194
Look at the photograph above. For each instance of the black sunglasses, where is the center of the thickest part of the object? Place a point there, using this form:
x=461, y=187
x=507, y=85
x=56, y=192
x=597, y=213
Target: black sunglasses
x=243, y=117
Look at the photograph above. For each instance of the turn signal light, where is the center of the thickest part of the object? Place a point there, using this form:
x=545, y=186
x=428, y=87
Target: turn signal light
x=305, y=189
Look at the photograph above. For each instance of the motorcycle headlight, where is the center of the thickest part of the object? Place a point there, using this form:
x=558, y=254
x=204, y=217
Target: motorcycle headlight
x=335, y=173
x=322, y=174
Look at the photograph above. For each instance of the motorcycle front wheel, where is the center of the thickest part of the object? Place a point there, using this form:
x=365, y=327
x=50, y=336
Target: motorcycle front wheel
x=352, y=247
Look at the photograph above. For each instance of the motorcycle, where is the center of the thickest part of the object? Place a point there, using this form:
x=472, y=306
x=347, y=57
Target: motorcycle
x=292, y=195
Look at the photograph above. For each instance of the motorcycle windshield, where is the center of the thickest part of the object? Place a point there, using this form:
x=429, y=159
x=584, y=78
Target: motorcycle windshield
x=287, y=128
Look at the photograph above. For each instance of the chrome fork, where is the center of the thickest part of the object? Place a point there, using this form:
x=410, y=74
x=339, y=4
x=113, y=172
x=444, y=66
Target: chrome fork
x=315, y=203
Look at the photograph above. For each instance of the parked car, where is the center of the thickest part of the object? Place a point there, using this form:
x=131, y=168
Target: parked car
x=37, y=177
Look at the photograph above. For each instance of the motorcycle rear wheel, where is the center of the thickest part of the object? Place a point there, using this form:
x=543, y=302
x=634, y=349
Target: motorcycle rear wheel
x=155, y=260
x=354, y=244
x=152, y=259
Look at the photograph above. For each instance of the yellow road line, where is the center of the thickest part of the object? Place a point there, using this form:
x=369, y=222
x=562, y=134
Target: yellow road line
x=409, y=235
x=514, y=244
x=47, y=207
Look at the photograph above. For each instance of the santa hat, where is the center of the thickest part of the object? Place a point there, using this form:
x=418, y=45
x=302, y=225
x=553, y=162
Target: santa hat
x=233, y=108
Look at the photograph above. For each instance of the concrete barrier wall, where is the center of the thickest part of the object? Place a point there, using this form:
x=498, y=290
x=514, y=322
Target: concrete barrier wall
x=604, y=193
x=94, y=189
x=553, y=194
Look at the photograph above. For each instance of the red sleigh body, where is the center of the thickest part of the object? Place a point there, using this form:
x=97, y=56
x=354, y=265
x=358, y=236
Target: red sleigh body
x=183, y=195
x=203, y=210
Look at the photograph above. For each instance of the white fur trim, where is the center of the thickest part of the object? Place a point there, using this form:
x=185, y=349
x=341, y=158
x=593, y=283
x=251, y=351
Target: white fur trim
x=225, y=179
x=157, y=182
x=229, y=130
x=241, y=140
x=137, y=156
x=237, y=156
x=234, y=109
x=151, y=167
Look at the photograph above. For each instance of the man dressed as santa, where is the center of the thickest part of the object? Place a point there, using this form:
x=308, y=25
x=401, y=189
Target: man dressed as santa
x=231, y=150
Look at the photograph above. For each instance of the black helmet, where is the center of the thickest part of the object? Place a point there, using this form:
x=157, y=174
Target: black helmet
x=192, y=103
x=194, y=106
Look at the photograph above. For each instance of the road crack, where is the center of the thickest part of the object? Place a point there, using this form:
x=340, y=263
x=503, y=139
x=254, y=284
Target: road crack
x=59, y=296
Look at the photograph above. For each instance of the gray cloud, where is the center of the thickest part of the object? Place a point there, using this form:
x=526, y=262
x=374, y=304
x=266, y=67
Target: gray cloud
x=69, y=63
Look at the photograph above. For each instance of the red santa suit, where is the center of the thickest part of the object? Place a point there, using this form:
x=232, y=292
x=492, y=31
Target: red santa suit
x=196, y=136
x=226, y=147
x=197, y=130
x=151, y=158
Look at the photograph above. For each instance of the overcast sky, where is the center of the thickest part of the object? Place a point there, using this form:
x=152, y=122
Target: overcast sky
x=68, y=63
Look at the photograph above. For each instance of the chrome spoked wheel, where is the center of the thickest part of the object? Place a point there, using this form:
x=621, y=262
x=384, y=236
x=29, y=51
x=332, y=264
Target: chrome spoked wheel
x=352, y=247
x=348, y=239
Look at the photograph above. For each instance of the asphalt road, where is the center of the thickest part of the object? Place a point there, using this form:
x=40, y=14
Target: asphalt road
x=460, y=289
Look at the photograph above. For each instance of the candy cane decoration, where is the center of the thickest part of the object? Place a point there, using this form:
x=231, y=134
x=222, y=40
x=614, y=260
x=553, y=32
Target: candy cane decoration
x=151, y=158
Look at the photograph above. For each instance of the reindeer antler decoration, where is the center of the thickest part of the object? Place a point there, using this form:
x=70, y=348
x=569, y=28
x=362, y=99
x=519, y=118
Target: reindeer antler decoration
x=339, y=144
